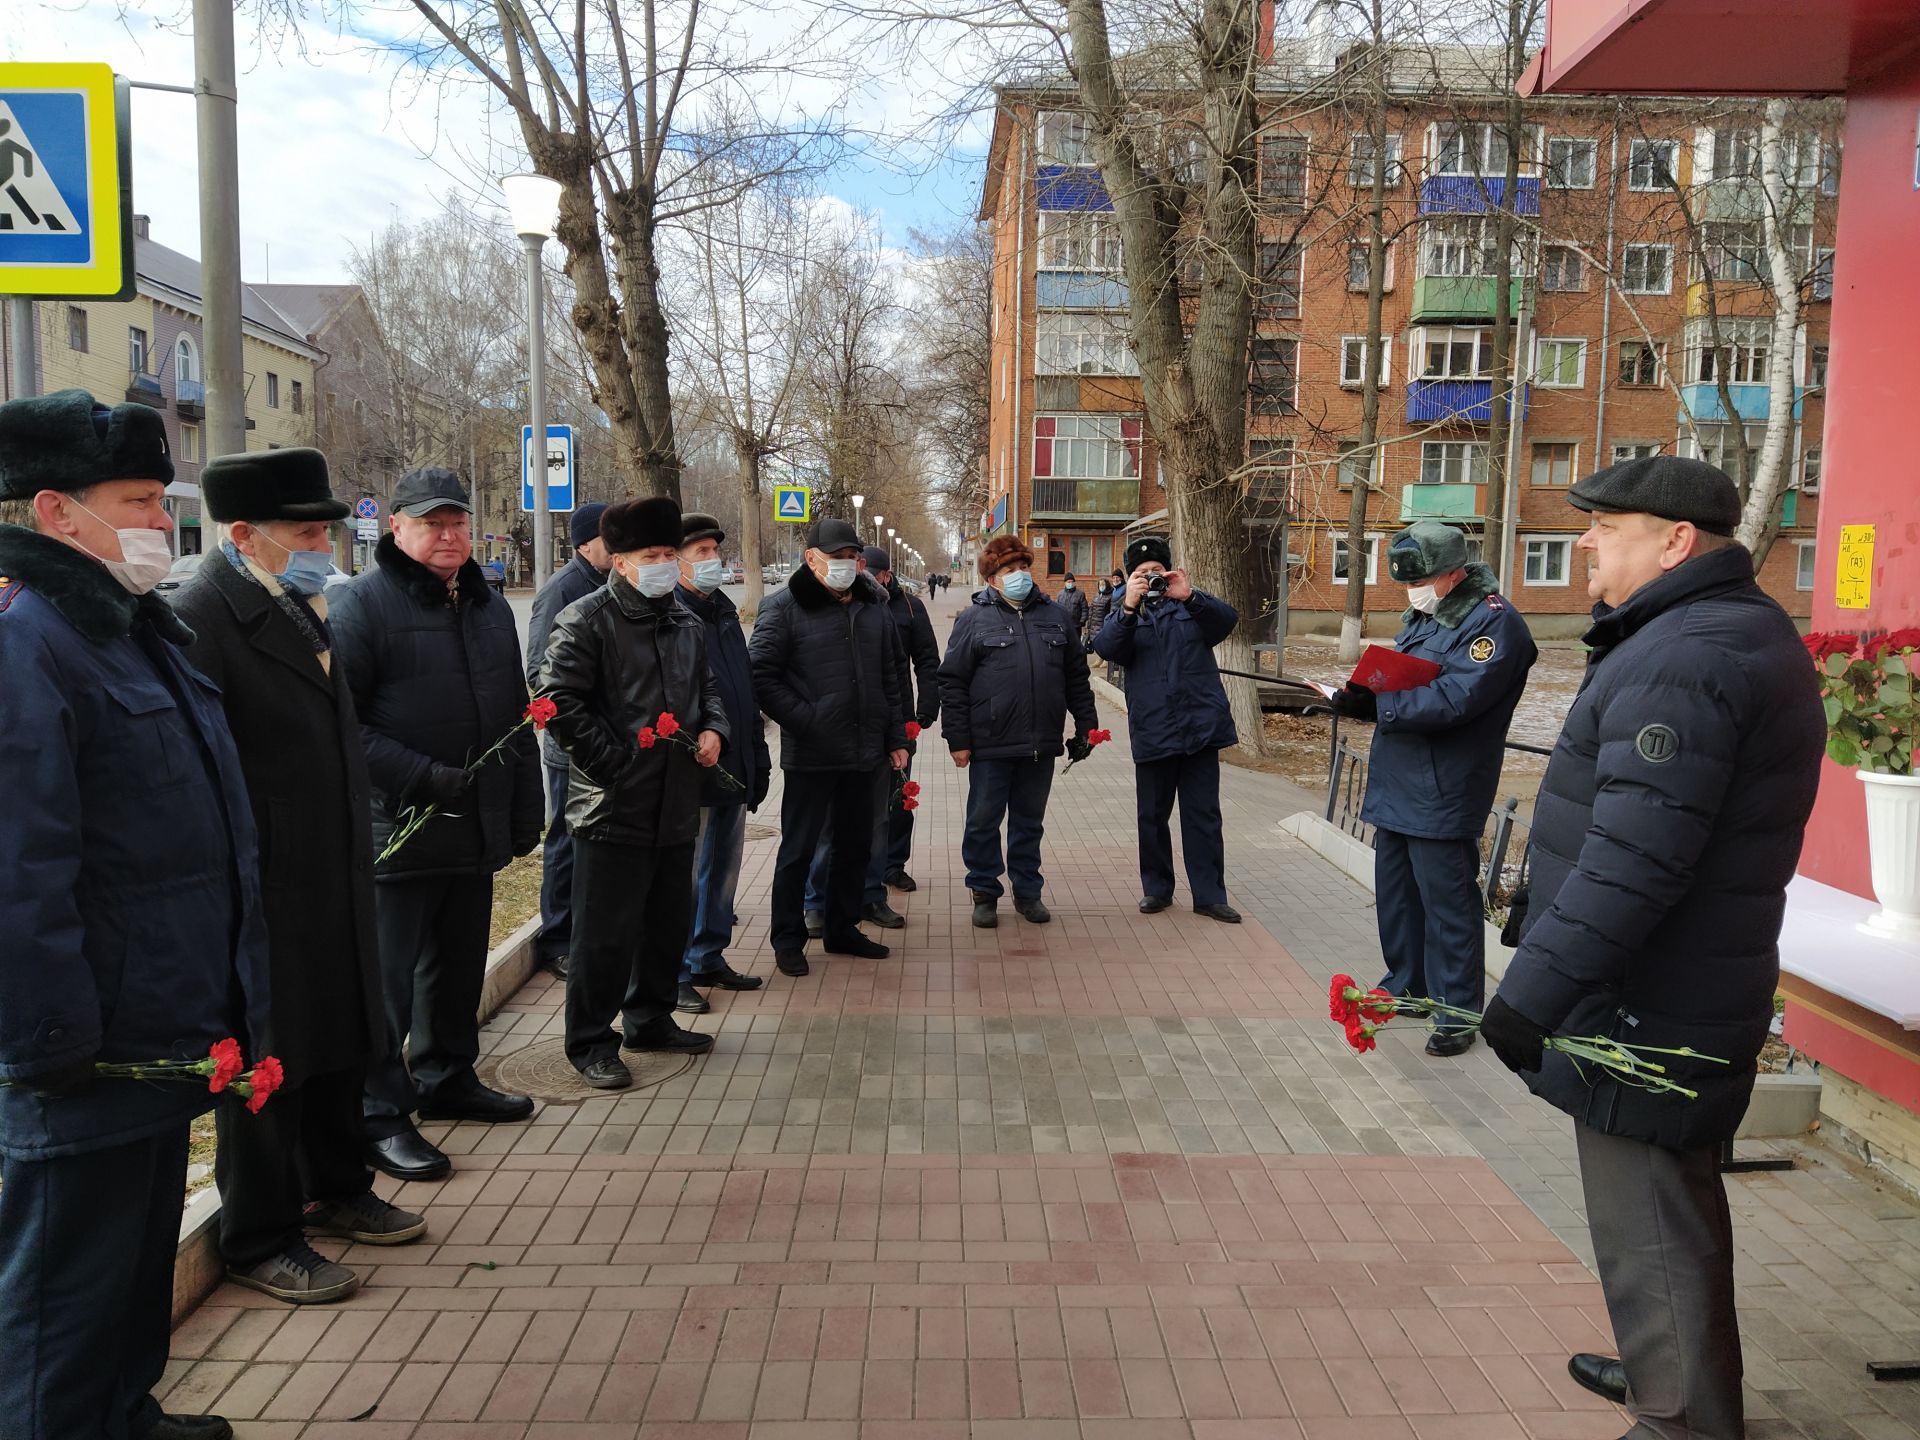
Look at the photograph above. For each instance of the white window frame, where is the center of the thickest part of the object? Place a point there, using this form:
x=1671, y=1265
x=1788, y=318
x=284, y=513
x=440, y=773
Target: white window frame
x=1747, y=347
x=1082, y=342
x=1625, y=450
x=1574, y=143
x=1818, y=358
x=1810, y=462
x=1352, y=376
x=1480, y=137
x=1449, y=243
x=190, y=439
x=1805, y=556
x=1080, y=240
x=1554, y=261
x=1644, y=150
x=1666, y=269
x=1363, y=180
x=1422, y=342
x=1659, y=348
x=1446, y=454
x=1363, y=249
x=1372, y=539
x=1540, y=371
x=1064, y=132
x=1090, y=427
x=1342, y=449
x=1823, y=273
x=1546, y=544
x=186, y=360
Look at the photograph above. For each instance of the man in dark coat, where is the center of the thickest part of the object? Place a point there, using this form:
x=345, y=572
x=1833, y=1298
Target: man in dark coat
x=1098, y=604
x=130, y=925
x=1178, y=720
x=1668, y=825
x=1073, y=602
x=1013, y=674
x=620, y=663
x=723, y=806
x=261, y=635
x=826, y=668
x=578, y=578
x=1434, y=765
x=433, y=659
x=914, y=626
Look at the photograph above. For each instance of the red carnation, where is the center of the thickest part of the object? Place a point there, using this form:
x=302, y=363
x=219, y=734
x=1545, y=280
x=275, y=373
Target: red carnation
x=227, y=1063
x=909, y=804
x=1099, y=737
x=646, y=737
x=1339, y=1007
x=666, y=725
x=1377, y=1004
x=1360, y=1035
x=266, y=1077
x=910, y=789
x=913, y=729
x=540, y=710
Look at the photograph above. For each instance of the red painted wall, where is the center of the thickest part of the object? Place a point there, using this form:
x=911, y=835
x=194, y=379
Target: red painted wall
x=1872, y=465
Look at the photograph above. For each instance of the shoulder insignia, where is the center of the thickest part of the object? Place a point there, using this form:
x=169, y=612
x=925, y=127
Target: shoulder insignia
x=1657, y=744
x=1481, y=650
x=1494, y=602
x=8, y=590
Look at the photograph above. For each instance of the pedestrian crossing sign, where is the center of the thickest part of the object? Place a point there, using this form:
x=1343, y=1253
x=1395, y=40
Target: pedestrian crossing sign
x=792, y=504
x=66, y=178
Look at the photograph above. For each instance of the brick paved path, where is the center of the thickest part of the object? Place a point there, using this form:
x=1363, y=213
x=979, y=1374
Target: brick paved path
x=1112, y=1177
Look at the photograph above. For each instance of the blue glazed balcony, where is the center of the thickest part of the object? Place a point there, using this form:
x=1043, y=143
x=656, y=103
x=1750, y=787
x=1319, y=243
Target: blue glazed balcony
x=1429, y=401
x=1079, y=290
x=1750, y=402
x=1477, y=194
x=190, y=397
x=1440, y=502
x=143, y=387
x=1072, y=187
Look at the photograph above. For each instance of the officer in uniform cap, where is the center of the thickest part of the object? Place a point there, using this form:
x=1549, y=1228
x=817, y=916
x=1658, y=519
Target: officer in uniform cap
x=129, y=912
x=1667, y=827
x=1434, y=765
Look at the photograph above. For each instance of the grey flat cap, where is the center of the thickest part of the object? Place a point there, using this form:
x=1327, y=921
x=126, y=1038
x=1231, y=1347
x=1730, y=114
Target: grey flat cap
x=1670, y=486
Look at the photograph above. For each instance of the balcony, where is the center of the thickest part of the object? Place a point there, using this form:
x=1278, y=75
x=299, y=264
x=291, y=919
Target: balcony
x=1429, y=401
x=1441, y=502
x=1477, y=194
x=1079, y=290
x=1071, y=187
x=1750, y=402
x=143, y=388
x=190, y=399
x=1115, y=499
x=1458, y=297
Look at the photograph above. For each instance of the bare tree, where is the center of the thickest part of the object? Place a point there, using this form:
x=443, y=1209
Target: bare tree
x=951, y=350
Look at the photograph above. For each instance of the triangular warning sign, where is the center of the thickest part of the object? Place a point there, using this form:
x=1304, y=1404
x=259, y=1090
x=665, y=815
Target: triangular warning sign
x=30, y=203
x=793, y=504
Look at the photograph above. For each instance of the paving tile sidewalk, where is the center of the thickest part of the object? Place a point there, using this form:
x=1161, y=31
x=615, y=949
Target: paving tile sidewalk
x=1112, y=1177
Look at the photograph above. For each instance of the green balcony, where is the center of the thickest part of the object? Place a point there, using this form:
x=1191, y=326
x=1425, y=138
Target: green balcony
x=1112, y=499
x=1450, y=502
x=1457, y=297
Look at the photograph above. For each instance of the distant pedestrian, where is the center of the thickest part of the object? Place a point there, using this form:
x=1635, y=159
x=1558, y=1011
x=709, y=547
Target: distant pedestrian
x=1116, y=591
x=1098, y=604
x=1072, y=600
x=1178, y=720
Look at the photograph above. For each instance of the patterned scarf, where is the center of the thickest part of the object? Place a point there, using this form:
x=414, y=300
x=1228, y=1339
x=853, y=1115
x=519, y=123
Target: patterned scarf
x=308, y=614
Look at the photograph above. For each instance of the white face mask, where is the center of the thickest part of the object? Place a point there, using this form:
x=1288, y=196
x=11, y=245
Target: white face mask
x=707, y=575
x=1424, y=598
x=147, y=556
x=653, y=581
x=841, y=574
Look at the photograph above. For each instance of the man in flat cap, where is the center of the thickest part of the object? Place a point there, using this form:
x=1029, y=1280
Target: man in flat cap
x=577, y=579
x=261, y=634
x=432, y=656
x=826, y=667
x=129, y=911
x=1434, y=765
x=1668, y=825
x=619, y=663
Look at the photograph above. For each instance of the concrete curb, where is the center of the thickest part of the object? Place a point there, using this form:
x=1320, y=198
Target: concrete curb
x=197, y=1271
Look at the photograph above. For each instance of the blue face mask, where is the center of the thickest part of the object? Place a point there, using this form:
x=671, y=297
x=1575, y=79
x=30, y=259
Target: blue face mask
x=708, y=575
x=1017, y=586
x=307, y=571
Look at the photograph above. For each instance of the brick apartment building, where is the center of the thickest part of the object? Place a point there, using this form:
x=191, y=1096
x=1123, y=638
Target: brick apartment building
x=1072, y=464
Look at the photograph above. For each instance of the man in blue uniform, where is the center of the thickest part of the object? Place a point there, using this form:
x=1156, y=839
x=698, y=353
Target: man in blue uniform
x=1434, y=766
x=130, y=914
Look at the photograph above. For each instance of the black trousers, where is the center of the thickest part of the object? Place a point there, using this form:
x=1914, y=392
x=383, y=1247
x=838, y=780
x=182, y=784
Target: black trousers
x=556, y=869
x=306, y=1144
x=632, y=913
x=86, y=1288
x=1195, y=781
x=433, y=961
x=808, y=800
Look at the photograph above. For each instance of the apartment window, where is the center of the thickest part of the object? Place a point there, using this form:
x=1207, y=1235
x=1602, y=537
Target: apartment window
x=1469, y=149
x=1740, y=358
x=1278, y=291
x=1270, y=481
x=1817, y=366
x=1560, y=364
x=1079, y=555
x=1353, y=360
x=1650, y=164
x=77, y=329
x=1549, y=560
x=1810, y=469
x=1830, y=167
x=1732, y=250
x=1647, y=269
x=1642, y=362
x=190, y=444
x=1823, y=274
x=1719, y=445
x=299, y=399
x=1359, y=261
x=1082, y=343
x=136, y=349
x=1457, y=245
x=1351, y=471
x=1633, y=450
x=1453, y=462
x=1736, y=153
x=1570, y=164
x=1561, y=268
x=1276, y=375
x=1803, y=553
x=1553, y=463
x=1078, y=240
x=1340, y=563
x=186, y=361
x=1452, y=354
x=273, y=391
x=1360, y=162
x=1086, y=447
x=1283, y=171
x=1065, y=138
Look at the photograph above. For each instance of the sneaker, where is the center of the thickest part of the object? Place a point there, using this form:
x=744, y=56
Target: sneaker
x=1032, y=910
x=900, y=880
x=858, y=946
x=793, y=962
x=666, y=1035
x=816, y=924
x=366, y=1220
x=884, y=915
x=726, y=978
x=299, y=1275
x=691, y=1001
x=986, y=911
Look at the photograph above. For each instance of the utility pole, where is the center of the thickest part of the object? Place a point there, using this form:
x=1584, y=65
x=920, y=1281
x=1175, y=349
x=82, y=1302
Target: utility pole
x=216, y=123
x=25, y=346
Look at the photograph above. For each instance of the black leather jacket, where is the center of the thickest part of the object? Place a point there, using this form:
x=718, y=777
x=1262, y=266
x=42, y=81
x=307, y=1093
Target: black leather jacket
x=615, y=662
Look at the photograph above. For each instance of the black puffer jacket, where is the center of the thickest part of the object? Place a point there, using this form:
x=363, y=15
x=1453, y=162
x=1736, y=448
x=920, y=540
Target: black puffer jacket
x=1667, y=828
x=1073, y=604
x=575, y=581
x=436, y=681
x=915, y=628
x=615, y=662
x=830, y=673
x=1011, y=677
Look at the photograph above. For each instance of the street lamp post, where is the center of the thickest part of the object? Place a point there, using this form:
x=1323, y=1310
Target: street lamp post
x=534, y=203
x=858, y=501
x=890, y=547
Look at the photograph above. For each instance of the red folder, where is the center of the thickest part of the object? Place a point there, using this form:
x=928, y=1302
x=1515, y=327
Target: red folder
x=1382, y=670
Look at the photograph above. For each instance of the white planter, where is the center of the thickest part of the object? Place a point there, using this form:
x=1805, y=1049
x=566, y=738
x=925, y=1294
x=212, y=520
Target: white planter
x=1893, y=848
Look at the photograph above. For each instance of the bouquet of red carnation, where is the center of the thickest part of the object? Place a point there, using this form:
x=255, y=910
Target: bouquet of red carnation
x=907, y=792
x=668, y=728
x=223, y=1068
x=538, y=712
x=1095, y=739
x=913, y=729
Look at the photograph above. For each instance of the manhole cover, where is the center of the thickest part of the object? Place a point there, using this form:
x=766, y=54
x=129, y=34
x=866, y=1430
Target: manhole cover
x=762, y=832
x=543, y=1071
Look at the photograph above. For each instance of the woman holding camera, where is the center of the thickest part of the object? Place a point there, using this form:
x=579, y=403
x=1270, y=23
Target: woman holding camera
x=1163, y=631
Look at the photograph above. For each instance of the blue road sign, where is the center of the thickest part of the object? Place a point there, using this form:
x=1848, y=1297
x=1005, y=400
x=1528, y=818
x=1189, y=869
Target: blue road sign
x=367, y=508
x=792, y=504
x=559, y=468
x=65, y=185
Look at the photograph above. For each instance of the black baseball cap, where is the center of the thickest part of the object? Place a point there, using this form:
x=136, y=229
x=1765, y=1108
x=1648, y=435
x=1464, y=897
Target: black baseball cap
x=831, y=535
x=420, y=492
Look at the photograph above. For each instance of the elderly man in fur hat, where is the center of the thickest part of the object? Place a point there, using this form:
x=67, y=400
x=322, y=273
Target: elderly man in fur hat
x=642, y=721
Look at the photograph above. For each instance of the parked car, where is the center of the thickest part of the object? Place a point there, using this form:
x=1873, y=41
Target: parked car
x=182, y=571
x=736, y=573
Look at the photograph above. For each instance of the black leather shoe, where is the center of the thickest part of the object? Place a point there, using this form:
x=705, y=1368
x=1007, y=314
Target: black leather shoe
x=884, y=915
x=191, y=1427
x=1601, y=1374
x=900, y=880
x=727, y=978
x=556, y=966
x=1445, y=1043
x=1032, y=910
x=691, y=1001
x=666, y=1036
x=816, y=924
x=608, y=1074
x=858, y=946
x=1154, y=904
x=1223, y=912
x=793, y=963
x=407, y=1156
x=986, y=911
x=477, y=1102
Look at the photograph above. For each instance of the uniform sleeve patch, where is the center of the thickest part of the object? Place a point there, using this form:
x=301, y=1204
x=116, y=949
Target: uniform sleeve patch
x=1657, y=744
x=1481, y=650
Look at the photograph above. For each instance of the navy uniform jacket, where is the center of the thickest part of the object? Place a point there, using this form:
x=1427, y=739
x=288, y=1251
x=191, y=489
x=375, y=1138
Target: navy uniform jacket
x=1437, y=748
x=130, y=922
x=1175, y=702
